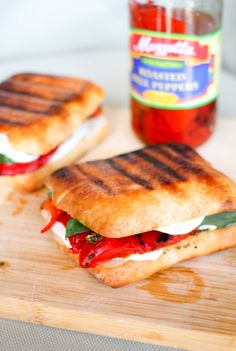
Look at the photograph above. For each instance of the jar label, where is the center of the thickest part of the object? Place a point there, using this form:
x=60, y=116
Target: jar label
x=174, y=71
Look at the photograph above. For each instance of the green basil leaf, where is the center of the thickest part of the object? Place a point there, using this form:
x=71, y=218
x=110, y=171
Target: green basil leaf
x=220, y=219
x=75, y=227
x=5, y=159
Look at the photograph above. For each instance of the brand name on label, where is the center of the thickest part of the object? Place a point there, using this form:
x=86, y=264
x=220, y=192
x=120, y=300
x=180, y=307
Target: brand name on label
x=162, y=47
x=146, y=45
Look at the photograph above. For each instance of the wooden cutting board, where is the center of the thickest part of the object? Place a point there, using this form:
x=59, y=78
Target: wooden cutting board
x=192, y=305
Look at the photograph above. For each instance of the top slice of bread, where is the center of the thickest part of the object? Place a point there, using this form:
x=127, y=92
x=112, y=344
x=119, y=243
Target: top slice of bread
x=38, y=112
x=142, y=190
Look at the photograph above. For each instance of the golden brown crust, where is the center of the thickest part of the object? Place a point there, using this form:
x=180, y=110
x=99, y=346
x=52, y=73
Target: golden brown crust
x=117, y=274
x=143, y=190
x=38, y=112
x=32, y=181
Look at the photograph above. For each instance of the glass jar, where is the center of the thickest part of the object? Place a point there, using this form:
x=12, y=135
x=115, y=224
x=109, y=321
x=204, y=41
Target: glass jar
x=175, y=50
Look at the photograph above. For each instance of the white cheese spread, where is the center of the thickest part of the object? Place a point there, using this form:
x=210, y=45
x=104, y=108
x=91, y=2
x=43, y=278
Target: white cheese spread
x=60, y=230
x=183, y=227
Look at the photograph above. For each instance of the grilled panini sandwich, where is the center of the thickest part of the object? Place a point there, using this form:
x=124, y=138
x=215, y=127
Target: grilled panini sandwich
x=130, y=216
x=46, y=122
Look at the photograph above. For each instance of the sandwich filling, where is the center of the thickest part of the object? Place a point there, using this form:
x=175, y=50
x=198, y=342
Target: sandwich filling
x=13, y=161
x=94, y=248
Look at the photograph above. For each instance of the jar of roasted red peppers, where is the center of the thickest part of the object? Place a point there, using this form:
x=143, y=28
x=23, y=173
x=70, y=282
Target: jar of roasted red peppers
x=175, y=61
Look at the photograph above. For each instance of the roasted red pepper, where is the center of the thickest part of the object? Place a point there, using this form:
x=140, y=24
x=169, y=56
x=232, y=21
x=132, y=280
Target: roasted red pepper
x=77, y=241
x=107, y=248
x=12, y=169
x=104, y=249
x=155, y=18
x=64, y=218
x=56, y=215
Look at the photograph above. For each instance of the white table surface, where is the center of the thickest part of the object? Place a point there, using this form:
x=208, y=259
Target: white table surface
x=110, y=69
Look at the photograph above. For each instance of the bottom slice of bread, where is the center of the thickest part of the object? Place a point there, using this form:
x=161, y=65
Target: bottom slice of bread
x=34, y=180
x=117, y=273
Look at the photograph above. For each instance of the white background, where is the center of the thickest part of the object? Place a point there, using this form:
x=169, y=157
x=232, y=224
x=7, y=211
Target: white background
x=29, y=27
x=39, y=26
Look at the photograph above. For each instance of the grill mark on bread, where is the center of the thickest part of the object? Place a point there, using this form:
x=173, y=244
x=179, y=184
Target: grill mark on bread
x=170, y=173
x=23, y=109
x=23, y=117
x=13, y=123
x=28, y=94
x=31, y=104
x=64, y=174
x=135, y=179
x=128, y=157
x=182, y=150
x=16, y=94
x=97, y=181
x=148, y=170
x=30, y=89
x=180, y=160
x=102, y=169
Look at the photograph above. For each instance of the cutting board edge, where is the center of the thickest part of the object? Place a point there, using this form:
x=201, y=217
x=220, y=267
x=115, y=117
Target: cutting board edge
x=37, y=313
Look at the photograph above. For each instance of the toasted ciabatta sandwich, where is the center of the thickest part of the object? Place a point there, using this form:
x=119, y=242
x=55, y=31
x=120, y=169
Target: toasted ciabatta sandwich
x=46, y=122
x=130, y=216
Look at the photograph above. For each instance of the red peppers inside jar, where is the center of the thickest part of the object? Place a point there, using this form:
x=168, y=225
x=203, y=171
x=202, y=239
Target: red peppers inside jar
x=175, y=62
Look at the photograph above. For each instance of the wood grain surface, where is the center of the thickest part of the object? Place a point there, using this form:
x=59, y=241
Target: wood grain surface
x=192, y=305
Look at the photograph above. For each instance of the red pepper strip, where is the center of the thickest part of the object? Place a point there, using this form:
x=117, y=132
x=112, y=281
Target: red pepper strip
x=149, y=240
x=64, y=218
x=77, y=241
x=107, y=248
x=12, y=169
x=154, y=240
x=54, y=212
x=148, y=246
